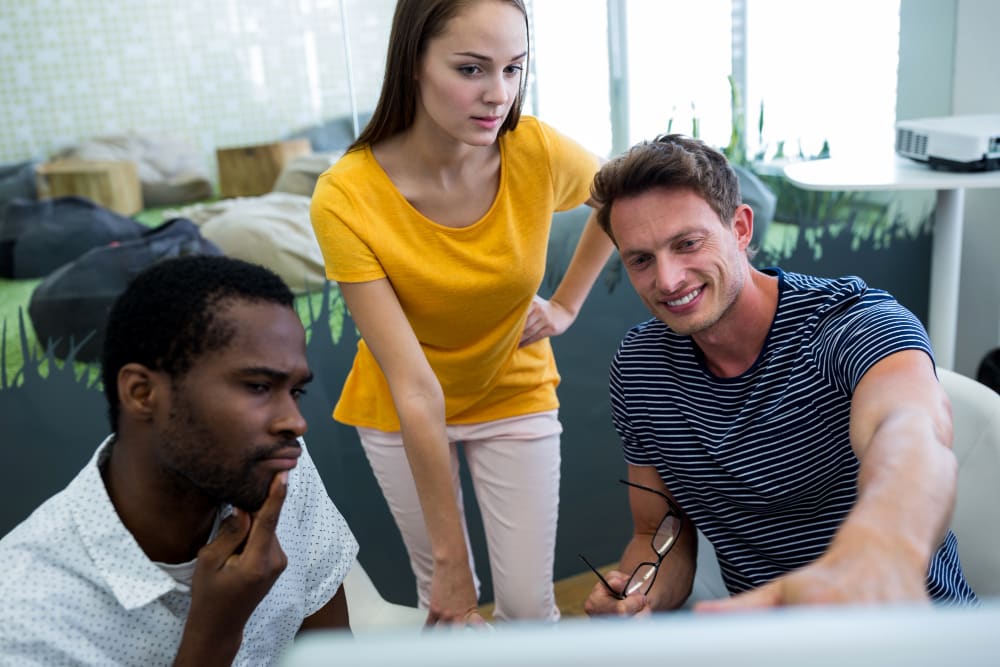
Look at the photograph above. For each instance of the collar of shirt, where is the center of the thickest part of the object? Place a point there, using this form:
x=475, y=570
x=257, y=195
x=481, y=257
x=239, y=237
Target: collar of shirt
x=109, y=543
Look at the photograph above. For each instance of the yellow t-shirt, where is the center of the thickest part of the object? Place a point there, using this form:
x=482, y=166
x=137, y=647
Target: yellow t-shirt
x=466, y=291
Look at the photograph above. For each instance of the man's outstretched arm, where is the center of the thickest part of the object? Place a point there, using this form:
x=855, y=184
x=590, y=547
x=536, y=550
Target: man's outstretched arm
x=901, y=433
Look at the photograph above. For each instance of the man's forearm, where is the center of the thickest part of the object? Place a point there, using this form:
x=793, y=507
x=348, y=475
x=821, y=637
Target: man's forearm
x=906, y=491
x=675, y=577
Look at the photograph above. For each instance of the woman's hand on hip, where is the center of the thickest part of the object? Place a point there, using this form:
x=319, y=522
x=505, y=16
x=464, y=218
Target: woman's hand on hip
x=545, y=319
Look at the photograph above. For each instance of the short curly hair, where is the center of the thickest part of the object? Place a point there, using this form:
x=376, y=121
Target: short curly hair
x=166, y=317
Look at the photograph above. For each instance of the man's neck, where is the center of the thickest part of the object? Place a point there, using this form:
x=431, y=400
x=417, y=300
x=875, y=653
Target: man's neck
x=169, y=527
x=733, y=345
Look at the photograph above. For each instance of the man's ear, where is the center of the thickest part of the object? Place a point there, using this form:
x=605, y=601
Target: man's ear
x=743, y=226
x=139, y=389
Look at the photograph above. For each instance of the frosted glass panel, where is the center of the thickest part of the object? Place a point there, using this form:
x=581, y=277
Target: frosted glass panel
x=217, y=73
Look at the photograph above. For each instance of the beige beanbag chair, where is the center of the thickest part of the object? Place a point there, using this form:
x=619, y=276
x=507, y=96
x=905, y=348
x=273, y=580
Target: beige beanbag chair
x=300, y=174
x=273, y=230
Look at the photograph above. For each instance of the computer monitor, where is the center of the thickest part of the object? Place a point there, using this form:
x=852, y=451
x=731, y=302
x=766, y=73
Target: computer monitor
x=815, y=636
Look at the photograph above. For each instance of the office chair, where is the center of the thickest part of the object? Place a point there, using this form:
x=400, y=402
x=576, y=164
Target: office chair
x=976, y=522
x=370, y=612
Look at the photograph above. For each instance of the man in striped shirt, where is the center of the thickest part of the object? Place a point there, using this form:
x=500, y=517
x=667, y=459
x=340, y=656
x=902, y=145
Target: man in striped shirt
x=796, y=421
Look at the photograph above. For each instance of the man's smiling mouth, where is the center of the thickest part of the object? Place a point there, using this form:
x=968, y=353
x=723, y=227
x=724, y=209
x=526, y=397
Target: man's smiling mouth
x=686, y=299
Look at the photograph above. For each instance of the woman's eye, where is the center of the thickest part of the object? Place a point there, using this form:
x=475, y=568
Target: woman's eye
x=297, y=394
x=469, y=70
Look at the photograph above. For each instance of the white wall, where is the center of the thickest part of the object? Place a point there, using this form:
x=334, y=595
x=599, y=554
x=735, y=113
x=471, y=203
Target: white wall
x=976, y=89
x=926, y=58
x=948, y=65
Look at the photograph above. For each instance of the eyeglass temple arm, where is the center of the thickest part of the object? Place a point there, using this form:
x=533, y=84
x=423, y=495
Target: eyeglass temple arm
x=613, y=592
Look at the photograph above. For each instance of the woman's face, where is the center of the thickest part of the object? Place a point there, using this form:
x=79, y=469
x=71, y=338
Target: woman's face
x=470, y=74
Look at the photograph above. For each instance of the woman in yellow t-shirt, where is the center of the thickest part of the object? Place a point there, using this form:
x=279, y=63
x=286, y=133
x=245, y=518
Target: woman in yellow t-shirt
x=435, y=225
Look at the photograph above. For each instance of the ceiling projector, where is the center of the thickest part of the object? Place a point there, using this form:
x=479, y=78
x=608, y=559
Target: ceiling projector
x=953, y=143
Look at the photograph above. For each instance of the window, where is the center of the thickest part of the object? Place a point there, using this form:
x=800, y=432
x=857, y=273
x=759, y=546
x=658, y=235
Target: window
x=679, y=58
x=620, y=70
x=824, y=71
x=569, y=86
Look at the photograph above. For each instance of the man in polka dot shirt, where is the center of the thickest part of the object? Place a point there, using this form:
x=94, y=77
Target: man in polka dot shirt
x=200, y=532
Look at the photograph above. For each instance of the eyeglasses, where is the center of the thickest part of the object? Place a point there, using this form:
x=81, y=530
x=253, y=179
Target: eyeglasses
x=664, y=538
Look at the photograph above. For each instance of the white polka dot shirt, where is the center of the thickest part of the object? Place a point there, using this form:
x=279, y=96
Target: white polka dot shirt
x=76, y=589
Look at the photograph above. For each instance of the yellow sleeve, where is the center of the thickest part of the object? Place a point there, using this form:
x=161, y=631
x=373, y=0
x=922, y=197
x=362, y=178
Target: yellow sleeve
x=343, y=230
x=572, y=166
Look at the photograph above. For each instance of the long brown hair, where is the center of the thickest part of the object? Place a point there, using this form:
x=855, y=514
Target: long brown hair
x=414, y=24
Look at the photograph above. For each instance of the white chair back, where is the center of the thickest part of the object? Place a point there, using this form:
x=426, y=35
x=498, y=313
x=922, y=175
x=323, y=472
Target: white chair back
x=370, y=612
x=976, y=522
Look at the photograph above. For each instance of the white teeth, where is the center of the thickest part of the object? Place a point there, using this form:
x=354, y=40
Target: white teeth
x=685, y=299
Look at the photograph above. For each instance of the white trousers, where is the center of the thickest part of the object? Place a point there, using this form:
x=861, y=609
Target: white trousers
x=514, y=466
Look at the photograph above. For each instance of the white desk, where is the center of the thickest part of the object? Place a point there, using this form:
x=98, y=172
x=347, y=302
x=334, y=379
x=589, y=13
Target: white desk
x=896, y=173
x=834, y=636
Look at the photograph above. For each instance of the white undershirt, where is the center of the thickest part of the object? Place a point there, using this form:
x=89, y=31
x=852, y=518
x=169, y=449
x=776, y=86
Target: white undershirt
x=183, y=573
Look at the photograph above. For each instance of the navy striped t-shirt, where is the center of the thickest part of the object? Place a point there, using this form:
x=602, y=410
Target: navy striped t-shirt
x=762, y=463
